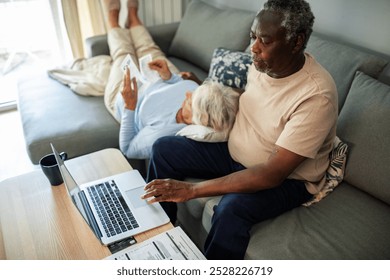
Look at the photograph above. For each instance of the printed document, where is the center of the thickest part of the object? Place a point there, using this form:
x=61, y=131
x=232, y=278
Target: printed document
x=173, y=244
x=145, y=75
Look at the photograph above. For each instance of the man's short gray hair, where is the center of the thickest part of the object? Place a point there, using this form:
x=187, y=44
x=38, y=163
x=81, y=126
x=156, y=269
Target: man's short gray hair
x=297, y=16
x=214, y=105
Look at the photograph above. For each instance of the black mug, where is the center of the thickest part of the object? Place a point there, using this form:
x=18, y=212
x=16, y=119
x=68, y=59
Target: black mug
x=50, y=168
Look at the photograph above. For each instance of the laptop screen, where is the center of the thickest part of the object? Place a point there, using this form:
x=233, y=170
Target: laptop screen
x=71, y=185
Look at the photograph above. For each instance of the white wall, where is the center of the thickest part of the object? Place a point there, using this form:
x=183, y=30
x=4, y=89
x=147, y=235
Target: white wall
x=155, y=12
x=361, y=22
x=365, y=23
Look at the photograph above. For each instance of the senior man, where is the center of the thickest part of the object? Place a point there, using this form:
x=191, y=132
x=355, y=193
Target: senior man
x=277, y=152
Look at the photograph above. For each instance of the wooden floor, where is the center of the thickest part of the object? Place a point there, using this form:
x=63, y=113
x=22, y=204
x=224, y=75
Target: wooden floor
x=14, y=159
x=13, y=154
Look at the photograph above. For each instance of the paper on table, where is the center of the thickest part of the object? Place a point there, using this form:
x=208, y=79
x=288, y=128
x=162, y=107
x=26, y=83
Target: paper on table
x=173, y=244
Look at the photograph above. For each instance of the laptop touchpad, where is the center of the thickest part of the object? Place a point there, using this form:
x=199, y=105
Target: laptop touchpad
x=134, y=196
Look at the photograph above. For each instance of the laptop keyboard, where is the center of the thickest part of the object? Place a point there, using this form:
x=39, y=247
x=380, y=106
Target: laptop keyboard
x=112, y=209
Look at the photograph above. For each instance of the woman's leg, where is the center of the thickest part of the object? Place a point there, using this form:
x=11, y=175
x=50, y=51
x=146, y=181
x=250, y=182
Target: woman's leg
x=120, y=43
x=143, y=42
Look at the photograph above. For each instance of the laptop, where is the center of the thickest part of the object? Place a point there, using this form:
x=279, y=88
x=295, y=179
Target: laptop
x=112, y=206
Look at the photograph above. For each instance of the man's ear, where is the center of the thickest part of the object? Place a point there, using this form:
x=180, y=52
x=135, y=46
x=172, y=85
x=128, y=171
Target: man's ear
x=299, y=42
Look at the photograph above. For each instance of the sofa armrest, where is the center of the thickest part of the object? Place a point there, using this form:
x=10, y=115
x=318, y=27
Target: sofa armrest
x=97, y=45
x=163, y=34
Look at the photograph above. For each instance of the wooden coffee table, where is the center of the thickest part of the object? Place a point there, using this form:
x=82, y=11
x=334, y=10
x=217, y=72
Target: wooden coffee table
x=38, y=221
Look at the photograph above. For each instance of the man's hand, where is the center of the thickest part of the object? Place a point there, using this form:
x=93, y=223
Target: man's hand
x=190, y=76
x=129, y=92
x=280, y=165
x=168, y=190
x=161, y=66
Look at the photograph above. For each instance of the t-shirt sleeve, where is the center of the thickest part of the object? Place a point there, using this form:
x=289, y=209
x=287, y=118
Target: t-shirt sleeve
x=308, y=126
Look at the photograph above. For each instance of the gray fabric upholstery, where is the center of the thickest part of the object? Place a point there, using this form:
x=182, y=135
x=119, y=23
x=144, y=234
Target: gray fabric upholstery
x=184, y=65
x=348, y=224
x=97, y=45
x=163, y=34
x=191, y=225
x=225, y=28
x=209, y=211
x=342, y=62
x=52, y=113
x=364, y=125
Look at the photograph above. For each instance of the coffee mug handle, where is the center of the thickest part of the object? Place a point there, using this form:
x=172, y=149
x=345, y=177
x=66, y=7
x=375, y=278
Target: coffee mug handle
x=64, y=156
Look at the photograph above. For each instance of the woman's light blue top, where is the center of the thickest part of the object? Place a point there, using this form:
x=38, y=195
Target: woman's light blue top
x=154, y=116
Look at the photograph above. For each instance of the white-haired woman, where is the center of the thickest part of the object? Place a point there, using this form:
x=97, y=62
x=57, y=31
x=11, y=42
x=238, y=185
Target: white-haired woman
x=157, y=110
x=214, y=109
x=206, y=113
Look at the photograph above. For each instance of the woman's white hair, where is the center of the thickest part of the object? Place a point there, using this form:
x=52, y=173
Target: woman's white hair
x=214, y=105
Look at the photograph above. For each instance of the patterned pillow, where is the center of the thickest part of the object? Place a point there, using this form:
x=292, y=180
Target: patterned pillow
x=335, y=172
x=230, y=67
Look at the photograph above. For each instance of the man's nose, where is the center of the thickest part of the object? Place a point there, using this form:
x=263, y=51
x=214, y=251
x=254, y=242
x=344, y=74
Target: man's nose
x=255, y=46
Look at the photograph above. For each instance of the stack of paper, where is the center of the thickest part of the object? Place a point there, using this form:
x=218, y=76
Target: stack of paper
x=173, y=244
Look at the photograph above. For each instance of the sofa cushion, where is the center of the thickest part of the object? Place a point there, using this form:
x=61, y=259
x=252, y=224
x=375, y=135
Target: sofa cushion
x=186, y=66
x=225, y=28
x=208, y=211
x=51, y=112
x=364, y=125
x=348, y=224
x=230, y=68
x=342, y=62
x=331, y=229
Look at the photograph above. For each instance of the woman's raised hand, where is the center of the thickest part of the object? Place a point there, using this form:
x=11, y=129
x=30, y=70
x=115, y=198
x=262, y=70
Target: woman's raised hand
x=129, y=91
x=161, y=66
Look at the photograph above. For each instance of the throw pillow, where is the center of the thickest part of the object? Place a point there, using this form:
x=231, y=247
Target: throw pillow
x=202, y=133
x=348, y=61
x=230, y=68
x=335, y=172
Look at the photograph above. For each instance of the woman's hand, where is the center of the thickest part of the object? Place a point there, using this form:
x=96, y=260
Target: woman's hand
x=129, y=91
x=161, y=66
x=168, y=190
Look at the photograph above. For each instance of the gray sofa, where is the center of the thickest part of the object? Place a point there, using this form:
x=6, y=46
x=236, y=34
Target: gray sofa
x=351, y=223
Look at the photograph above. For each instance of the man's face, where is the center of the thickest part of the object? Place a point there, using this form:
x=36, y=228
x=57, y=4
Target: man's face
x=271, y=53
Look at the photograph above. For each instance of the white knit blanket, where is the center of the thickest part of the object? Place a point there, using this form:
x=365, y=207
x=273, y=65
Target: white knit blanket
x=86, y=76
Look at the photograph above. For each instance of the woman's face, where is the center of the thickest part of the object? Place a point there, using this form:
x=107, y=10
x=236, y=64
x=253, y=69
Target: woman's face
x=186, y=108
